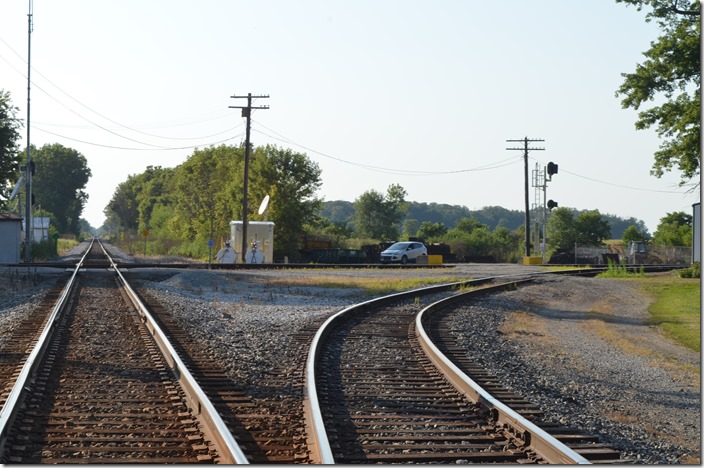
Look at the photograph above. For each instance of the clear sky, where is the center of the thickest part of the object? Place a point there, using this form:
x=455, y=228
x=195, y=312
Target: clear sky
x=417, y=93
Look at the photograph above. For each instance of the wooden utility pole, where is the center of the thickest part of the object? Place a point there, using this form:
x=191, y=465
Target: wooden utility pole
x=525, y=150
x=246, y=112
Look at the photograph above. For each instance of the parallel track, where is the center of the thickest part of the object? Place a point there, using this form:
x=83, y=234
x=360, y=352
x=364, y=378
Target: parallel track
x=98, y=388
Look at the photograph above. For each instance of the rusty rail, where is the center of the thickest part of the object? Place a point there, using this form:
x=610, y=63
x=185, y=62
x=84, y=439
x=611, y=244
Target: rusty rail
x=542, y=443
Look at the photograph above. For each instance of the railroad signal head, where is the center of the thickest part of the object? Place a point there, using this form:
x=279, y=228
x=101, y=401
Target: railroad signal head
x=552, y=168
x=552, y=204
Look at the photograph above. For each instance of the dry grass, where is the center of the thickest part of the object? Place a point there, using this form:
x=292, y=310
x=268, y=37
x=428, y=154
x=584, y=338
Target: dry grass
x=374, y=286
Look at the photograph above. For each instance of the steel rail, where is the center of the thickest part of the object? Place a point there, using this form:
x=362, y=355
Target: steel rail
x=228, y=449
x=318, y=443
x=29, y=369
x=542, y=443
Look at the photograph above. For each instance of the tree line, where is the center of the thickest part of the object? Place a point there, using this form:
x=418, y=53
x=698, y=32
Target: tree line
x=180, y=209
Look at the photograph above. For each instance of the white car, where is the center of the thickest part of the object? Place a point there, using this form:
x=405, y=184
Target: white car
x=403, y=252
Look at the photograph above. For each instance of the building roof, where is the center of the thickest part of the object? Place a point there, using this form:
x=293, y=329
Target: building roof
x=10, y=217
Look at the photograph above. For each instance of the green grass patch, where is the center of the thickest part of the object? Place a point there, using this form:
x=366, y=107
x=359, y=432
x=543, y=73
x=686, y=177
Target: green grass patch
x=616, y=270
x=676, y=308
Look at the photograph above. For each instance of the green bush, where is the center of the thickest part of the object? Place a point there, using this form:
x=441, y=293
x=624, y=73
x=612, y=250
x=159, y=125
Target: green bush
x=693, y=271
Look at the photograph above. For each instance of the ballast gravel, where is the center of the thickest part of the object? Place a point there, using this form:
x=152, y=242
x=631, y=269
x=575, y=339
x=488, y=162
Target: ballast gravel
x=581, y=348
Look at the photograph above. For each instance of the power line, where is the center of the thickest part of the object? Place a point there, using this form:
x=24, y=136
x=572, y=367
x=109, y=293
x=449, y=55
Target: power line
x=239, y=135
x=386, y=170
x=86, y=106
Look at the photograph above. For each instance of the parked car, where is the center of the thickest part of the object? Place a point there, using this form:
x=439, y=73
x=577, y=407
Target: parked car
x=403, y=252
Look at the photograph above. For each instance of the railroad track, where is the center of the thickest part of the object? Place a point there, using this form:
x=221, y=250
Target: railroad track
x=379, y=391
x=267, y=418
x=102, y=385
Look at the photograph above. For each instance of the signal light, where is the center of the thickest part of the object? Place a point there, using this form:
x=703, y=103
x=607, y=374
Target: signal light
x=552, y=204
x=552, y=168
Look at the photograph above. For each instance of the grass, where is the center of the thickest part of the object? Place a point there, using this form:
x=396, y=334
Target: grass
x=676, y=308
x=65, y=245
x=616, y=270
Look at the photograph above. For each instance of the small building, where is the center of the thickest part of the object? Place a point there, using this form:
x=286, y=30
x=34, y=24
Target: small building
x=10, y=237
x=697, y=232
x=260, y=233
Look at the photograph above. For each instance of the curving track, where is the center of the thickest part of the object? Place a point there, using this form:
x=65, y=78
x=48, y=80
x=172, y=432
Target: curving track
x=379, y=391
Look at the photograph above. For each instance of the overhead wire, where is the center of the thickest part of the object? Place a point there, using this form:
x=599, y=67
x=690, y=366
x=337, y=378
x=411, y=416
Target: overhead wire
x=387, y=170
x=96, y=112
x=611, y=183
x=240, y=135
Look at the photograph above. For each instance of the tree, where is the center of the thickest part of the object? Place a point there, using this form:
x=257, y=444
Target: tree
x=378, y=216
x=291, y=180
x=674, y=229
x=410, y=227
x=122, y=211
x=58, y=184
x=591, y=229
x=561, y=230
x=632, y=234
x=207, y=196
x=671, y=71
x=430, y=230
x=9, y=136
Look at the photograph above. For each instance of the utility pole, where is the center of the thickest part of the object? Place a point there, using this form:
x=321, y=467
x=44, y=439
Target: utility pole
x=246, y=112
x=28, y=167
x=525, y=150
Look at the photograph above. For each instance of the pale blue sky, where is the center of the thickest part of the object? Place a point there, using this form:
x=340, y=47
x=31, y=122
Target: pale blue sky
x=400, y=86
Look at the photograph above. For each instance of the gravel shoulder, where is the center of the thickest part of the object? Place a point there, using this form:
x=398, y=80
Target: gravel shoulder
x=599, y=365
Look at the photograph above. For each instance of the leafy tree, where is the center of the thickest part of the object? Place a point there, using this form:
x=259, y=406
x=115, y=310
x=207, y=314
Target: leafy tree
x=467, y=225
x=121, y=212
x=156, y=189
x=674, y=229
x=564, y=230
x=9, y=136
x=207, y=196
x=410, y=227
x=430, y=230
x=507, y=247
x=561, y=230
x=591, y=228
x=378, y=216
x=58, y=184
x=619, y=225
x=671, y=73
x=632, y=234
x=291, y=180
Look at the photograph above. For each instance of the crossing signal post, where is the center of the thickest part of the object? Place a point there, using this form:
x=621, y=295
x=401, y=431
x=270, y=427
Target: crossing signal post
x=552, y=169
x=540, y=182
